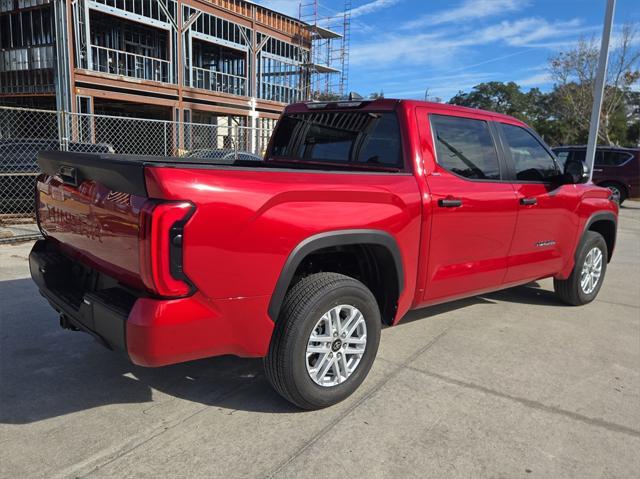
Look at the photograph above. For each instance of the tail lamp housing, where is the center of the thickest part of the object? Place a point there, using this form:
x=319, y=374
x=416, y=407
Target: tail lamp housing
x=161, y=247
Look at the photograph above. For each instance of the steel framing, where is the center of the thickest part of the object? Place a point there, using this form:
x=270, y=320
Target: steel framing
x=235, y=30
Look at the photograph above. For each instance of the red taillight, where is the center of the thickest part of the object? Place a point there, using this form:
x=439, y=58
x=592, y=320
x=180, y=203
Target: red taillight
x=161, y=238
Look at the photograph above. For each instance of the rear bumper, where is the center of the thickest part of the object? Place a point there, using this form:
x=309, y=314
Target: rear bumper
x=102, y=313
x=150, y=331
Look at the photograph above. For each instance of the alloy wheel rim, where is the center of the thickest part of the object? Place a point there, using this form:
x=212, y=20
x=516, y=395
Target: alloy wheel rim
x=336, y=345
x=591, y=271
x=615, y=193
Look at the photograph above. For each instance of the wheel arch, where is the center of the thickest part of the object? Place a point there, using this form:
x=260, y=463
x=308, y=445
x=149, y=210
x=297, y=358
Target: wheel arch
x=605, y=223
x=370, y=245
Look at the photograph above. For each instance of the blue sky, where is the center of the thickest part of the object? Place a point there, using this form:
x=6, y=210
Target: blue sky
x=404, y=47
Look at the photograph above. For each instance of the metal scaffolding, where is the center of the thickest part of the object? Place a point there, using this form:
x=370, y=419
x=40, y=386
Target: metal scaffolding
x=331, y=35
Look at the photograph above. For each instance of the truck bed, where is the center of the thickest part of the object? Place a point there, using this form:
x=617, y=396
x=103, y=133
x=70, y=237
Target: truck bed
x=91, y=204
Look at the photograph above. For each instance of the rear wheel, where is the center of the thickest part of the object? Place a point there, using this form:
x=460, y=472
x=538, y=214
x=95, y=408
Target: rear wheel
x=617, y=190
x=324, y=341
x=587, y=276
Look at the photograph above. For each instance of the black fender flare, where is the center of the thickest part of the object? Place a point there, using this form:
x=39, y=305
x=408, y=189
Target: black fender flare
x=601, y=216
x=327, y=240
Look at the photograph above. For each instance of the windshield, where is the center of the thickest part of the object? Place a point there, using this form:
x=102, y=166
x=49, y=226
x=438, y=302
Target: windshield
x=347, y=139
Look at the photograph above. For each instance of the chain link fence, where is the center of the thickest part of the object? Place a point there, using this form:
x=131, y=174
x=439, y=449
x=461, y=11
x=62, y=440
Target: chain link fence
x=26, y=132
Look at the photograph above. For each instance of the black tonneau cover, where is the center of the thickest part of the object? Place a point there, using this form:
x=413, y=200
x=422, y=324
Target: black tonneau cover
x=118, y=173
x=125, y=173
x=122, y=173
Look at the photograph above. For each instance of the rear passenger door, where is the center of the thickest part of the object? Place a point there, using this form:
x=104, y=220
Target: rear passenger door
x=546, y=223
x=472, y=209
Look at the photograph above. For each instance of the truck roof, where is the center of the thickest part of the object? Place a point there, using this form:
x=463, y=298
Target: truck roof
x=390, y=104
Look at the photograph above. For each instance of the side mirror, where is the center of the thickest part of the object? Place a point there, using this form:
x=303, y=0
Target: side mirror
x=576, y=172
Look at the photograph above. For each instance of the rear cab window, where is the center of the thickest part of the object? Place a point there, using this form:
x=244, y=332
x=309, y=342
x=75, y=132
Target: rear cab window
x=346, y=140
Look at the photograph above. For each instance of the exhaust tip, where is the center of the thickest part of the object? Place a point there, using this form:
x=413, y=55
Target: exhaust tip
x=66, y=324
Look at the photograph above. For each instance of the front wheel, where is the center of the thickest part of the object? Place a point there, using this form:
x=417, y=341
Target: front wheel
x=324, y=341
x=587, y=276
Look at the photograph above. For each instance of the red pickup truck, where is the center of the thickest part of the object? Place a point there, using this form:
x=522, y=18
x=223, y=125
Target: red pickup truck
x=360, y=211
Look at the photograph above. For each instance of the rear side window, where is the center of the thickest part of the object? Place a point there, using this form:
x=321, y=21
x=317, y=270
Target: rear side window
x=465, y=147
x=347, y=138
x=531, y=160
x=613, y=158
x=603, y=158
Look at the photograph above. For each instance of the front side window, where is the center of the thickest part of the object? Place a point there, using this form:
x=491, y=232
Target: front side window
x=562, y=157
x=581, y=156
x=531, y=160
x=465, y=147
x=347, y=138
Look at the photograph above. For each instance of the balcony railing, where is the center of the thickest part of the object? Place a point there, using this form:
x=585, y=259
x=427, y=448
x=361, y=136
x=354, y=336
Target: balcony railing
x=282, y=94
x=218, y=81
x=117, y=62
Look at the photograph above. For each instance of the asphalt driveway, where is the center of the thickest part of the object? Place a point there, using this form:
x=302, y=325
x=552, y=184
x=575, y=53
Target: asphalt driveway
x=512, y=384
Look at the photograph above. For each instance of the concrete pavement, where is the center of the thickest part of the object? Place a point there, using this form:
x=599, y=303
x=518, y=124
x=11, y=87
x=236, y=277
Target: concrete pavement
x=511, y=384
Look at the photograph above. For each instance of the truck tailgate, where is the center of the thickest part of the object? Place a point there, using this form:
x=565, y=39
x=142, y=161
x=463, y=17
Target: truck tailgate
x=91, y=205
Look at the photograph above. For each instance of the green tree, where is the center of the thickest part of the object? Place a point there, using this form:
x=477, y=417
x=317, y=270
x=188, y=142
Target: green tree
x=532, y=107
x=633, y=119
x=495, y=96
x=537, y=112
x=562, y=115
x=574, y=72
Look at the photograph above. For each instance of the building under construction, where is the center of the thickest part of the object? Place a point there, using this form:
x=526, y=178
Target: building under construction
x=201, y=61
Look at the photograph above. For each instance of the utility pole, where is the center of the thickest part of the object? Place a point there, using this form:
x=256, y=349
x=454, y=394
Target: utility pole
x=601, y=76
x=62, y=73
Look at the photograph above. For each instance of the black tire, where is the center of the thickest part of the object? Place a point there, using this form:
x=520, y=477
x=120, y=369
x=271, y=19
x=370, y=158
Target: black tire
x=569, y=290
x=304, y=305
x=617, y=189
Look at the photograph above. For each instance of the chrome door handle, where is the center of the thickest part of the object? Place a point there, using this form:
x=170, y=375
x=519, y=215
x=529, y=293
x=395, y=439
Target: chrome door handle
x=528, y=201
